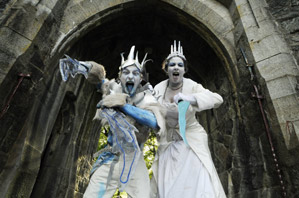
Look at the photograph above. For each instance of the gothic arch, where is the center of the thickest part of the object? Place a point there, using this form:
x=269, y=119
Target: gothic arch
x=211, y=20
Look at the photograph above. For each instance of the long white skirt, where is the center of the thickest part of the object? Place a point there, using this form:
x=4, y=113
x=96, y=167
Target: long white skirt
x=181, y=174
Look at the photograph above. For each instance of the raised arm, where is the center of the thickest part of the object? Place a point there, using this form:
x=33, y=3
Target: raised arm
x=200, y=98
x=92, y=71
x=141, y=116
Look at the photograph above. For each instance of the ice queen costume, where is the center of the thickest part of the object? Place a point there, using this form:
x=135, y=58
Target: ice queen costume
x=182, y=170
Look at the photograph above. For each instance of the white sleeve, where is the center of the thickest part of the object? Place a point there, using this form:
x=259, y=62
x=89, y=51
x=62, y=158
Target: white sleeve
x=205, y=98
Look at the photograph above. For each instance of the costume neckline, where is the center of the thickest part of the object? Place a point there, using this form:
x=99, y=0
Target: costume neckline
x=167, y=83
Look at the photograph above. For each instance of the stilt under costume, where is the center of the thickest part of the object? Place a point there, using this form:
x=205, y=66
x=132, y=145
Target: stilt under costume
x=185, y=168
x=130, y=110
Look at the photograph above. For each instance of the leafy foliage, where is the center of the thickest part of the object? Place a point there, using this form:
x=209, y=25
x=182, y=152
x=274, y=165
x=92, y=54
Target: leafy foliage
x=149, y=152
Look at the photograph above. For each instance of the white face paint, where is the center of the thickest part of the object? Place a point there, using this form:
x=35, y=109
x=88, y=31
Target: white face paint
x=130, y=78
x=176, y=71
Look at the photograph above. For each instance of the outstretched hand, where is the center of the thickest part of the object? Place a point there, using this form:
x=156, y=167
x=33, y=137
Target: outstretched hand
x=68, y=66
x=180, y=96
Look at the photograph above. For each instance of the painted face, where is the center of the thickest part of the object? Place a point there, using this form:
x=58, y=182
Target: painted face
x=176, y=71
x=130, y=78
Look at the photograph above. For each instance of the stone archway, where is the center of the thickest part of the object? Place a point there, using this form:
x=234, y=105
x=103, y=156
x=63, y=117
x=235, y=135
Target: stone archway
x=100, y=30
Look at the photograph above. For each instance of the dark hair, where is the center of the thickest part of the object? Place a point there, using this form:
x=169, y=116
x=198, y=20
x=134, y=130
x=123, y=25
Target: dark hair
x=166, y=63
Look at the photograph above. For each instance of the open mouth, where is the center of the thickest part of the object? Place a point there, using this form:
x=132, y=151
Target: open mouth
x=130, y=86
x=175, y=73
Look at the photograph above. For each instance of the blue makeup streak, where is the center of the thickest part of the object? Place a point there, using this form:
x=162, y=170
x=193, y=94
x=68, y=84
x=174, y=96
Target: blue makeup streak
x=142, y=116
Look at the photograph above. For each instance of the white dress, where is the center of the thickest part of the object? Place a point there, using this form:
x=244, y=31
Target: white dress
x=181, y=170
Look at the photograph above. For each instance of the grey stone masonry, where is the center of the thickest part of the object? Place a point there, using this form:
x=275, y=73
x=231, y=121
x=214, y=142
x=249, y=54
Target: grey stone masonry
x=274, y=61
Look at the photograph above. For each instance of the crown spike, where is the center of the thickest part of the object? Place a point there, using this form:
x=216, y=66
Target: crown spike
x=179, y=47
x=143, y=61
x=131, y=54
x=176, y=51
x=136, y=57
x=131, y=61
x=122, y=58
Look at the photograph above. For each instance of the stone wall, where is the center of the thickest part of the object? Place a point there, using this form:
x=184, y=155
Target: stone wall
x=286, y=14
x=273, y=62
x=44, y=132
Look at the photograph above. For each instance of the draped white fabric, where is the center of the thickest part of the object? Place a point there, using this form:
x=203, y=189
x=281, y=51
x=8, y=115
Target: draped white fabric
x=181, y=174
x=183, y=163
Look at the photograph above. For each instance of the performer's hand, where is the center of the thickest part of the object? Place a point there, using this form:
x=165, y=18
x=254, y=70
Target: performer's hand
x=190, y=98
x=68, y=67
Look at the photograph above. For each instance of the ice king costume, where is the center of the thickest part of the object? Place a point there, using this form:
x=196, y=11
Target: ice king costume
x=120, y=165
x=183, y=165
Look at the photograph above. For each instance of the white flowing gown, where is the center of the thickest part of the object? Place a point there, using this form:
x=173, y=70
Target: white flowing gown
x=181, y=170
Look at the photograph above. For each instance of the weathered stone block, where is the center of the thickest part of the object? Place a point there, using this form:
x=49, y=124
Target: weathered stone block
x=74, y=15
x=6, y=62
x=287, y=110
x=240, y=2
x=287, y=107
x=48, y=3
x=27, y=20
x=201, y=10
x=91, y=7
x=7, y=37
x=236, y=178
x=238, y=30
x=224, y=180
x=227, y=140
x=260, y=13
x=277, y=66
x=296, y=128
x=281, y=87
x=22, y=184
x=271, y=192
x=222, y=153
x=248, y=21
x=224, y=27
x=213, y=19
x=244, y=10
x=267, y=28
x=268, y=46
x=290, y=131
x=177, y=3
x=258, y=4
x=31, y=159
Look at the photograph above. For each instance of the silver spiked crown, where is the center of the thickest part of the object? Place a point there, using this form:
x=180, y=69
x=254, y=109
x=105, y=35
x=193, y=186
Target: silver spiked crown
x=131, y=61
x=176, y=51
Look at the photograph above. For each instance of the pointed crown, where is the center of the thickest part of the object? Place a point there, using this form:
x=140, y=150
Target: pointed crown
x=176, y=51
x=131, y=61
